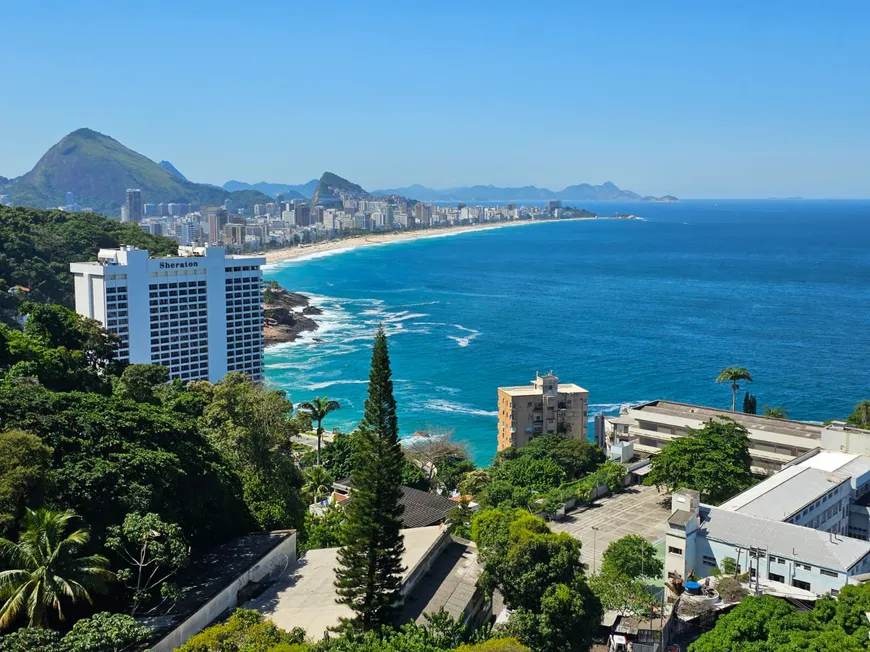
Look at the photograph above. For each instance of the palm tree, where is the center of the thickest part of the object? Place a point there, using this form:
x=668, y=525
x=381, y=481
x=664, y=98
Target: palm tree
x=44, y=569
x=319, y=408
x=734, y=375
x=318, y=483
x=775, y=412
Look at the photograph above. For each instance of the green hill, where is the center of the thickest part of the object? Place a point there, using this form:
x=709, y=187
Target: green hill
x=98, y=170
x=331, y=188
x=37, y=246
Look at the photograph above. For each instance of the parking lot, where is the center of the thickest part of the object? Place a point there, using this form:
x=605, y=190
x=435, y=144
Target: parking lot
x=637, y=510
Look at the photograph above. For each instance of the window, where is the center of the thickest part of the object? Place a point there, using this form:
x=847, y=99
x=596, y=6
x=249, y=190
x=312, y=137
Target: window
x=675, y=551
x=776, y=578
x=824, y=571
x=798, y=584
x=804, y=566
x=710, y=561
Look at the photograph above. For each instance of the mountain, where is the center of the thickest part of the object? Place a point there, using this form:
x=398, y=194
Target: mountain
x=166, y=165
x=584, y=191
x=98, y=170
x=331, y=189
x=302, y=191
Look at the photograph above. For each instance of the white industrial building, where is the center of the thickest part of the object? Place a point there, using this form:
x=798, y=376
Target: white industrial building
x=199, y=313
x=802, y=531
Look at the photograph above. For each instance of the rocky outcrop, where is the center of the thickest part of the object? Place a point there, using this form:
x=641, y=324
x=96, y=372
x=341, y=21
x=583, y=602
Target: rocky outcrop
x=282, y=319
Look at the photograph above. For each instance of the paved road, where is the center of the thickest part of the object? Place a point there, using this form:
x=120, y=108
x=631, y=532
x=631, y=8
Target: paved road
x=637, y=510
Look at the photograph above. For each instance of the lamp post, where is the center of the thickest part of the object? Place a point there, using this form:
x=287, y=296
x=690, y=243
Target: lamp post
x=594, y=538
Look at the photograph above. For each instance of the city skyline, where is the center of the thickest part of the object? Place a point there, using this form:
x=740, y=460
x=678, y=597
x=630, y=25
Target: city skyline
x=741, y=101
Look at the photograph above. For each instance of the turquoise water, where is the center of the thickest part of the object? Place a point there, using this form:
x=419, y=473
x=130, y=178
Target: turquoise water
x=630, y=310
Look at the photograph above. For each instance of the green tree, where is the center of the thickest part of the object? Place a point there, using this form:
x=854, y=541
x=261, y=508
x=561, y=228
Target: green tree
x=24, y=460
x=318, y=484
x=750, y=404
x=460, y=518
x=535, y=474
x=714, y=460
x=325, y=531
x=368, y=578
x=619, y=592
x=319, y=408
x=576, y=457
x=141, y=383
x=105, y=632
x=734, y=375
x=244, y=631
x=338, y=455
x=152, y=552
x=565, y=621
x=44, y=569
x=541, y=577
x=861, y=415
x=775, y=412
x=249, y=424
x=451, y=473
x=32, y=639
x=632, y=556
x=494, y=645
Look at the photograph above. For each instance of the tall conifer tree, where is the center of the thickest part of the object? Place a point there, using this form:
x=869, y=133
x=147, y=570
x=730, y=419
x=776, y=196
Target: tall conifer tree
x=369, y=576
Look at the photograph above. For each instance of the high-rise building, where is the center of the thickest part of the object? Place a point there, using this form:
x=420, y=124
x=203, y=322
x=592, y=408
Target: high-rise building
x=187, y=233
x=228, y=205
x=125, y=216
x=279, y=199
x=149, y=210
x=258, y=210
x=217, y=218
x=162, y=209
x=545, y=407
x=174, y=208
x=69, y=199
x=134, y=205
x=198, y=314
x=302, y=214
x=552, y=205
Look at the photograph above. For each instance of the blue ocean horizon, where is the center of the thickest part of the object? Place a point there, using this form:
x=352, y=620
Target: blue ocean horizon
x=630, y=310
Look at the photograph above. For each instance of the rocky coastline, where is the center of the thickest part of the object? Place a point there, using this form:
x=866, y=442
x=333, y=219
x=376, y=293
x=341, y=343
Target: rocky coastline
x=286, y=315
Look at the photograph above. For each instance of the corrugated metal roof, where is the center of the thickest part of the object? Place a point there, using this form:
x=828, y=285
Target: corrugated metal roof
x=785, y=493
x=802, y=544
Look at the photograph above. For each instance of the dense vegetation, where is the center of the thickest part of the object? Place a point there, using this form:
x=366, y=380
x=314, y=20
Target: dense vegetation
x=714, y=460
x=37, y=246
x=118, y=451
x=767, y=624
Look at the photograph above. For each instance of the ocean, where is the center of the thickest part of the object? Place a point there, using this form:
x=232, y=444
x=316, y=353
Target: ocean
x=630, y=310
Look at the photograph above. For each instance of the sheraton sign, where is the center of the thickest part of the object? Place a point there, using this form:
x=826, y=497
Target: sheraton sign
x=191, y=263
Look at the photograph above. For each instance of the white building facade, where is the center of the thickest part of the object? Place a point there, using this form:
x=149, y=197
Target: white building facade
x=198, y=314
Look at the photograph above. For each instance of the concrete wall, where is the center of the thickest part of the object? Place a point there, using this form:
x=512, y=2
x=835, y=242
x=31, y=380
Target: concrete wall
x=227, y=600
x=419, y=571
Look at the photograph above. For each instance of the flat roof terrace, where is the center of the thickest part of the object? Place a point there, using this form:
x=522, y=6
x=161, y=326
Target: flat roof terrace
x=750, y=421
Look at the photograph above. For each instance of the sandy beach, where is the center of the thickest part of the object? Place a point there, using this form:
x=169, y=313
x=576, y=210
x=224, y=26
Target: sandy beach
x=368, y=240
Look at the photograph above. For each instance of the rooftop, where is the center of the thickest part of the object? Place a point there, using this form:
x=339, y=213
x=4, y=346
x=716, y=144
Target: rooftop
x=531, y=390
x=831, y=551
x=304, y=595
x=749, y=421
x=421, y=507
x=785, y=493
x=450, y=584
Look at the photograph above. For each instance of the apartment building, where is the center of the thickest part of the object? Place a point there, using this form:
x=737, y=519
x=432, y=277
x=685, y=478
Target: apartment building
x=199, y=313
x=773, y=443
x=546, y=406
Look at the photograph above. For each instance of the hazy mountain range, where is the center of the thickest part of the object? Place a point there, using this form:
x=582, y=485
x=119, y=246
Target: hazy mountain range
x=581, y=192
x=98, y=169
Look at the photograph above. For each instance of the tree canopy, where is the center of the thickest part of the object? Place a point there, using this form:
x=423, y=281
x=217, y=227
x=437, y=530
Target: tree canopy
x=714, y=460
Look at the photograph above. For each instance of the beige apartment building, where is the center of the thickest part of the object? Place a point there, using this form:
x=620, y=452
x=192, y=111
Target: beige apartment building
x=544, y=407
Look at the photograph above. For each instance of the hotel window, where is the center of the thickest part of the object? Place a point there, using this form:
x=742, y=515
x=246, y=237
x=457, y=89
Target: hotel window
x=798, y=584
x=824, y=571
x=710, y=561
x=675, y=551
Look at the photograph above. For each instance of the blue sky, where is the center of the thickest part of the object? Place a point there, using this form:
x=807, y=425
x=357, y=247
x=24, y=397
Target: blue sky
x=698, y=99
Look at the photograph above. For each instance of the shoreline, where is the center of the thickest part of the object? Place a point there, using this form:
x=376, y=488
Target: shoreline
x=341, y=245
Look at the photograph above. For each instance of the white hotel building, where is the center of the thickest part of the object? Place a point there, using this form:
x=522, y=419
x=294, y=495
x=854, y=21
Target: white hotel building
x=199, y=313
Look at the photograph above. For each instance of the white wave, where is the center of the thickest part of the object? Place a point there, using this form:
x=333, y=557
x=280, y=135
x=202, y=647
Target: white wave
x=612, y=407
x=331, y=383
x=466, y=340
x=441, y=405
x=321, y=254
